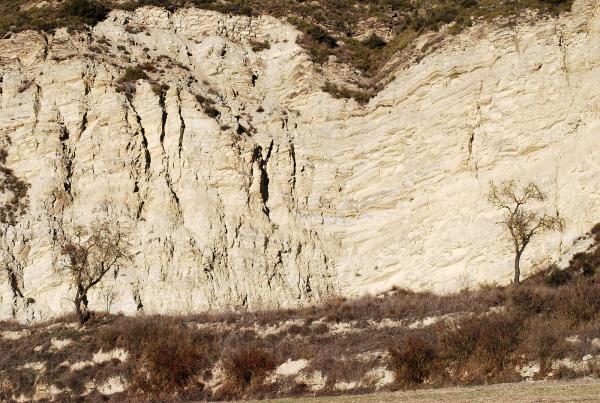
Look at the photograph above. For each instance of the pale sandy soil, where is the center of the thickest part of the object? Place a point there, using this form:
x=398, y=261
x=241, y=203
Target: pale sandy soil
x=568, y=391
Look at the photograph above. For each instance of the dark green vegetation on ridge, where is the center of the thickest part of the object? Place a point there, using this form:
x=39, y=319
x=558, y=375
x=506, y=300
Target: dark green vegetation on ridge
x=330, y=26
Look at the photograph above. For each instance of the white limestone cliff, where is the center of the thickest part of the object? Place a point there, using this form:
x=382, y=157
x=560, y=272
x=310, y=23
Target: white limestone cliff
x=288, y=196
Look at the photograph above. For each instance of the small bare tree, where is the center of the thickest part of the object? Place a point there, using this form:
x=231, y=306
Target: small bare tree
x=109, y=295
x=522, y=223
x=88, y=255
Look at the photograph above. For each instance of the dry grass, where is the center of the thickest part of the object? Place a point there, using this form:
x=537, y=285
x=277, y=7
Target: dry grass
x=571, y=391
x=488, y=334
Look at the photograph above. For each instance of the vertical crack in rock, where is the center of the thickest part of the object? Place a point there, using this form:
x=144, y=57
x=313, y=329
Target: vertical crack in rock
x=140, y=209
x=136, y=171
x=181, y=123
x=46, y=46
x=14, y=274
x=84, y=122
x=163, y=121
x=37, y=104
x=88, y=82
x=292, y=151
x=16, y=291
x=563, y=51
x=173, y=193
x=264, y=175
x=137, y=297
x=147, y=158
x=307, y=287
x=67, y=157
x=471, y=139
x=474, y=128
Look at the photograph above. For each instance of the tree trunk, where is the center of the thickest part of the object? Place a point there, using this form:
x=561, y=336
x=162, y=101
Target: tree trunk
x=79, y=311
x=517, y=279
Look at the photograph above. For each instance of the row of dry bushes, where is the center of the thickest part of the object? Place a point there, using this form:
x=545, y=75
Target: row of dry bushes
x=488, y=333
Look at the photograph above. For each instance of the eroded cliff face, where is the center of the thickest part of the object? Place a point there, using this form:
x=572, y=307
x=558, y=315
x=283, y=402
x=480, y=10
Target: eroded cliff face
x=243, y=185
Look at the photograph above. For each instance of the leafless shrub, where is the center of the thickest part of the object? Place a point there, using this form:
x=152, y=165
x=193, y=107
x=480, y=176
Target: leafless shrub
x=246, y=369
x=522, y=223
x=109, y=296
x=458, y=341
x=89, y=254
x=543, y=338
x=414, y=360
x=580, y=304
x=497, y=341
x=171, y=357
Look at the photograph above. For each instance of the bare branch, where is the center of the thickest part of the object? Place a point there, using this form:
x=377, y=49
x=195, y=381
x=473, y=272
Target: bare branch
x=89, y=254
x=522, y=224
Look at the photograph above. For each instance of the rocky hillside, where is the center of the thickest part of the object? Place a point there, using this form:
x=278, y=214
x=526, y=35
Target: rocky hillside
x=546, y=329
x=244, y=185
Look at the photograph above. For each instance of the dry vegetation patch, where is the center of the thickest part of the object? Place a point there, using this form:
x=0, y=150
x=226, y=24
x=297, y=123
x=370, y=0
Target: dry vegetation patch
x=542, y=329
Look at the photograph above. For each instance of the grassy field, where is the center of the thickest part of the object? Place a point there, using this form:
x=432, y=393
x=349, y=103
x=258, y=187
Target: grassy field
x=583, y=390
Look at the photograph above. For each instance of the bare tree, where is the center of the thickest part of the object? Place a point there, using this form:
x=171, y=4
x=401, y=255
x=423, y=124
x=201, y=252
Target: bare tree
x=522, y=222
x=89, y=254
x=109, y=295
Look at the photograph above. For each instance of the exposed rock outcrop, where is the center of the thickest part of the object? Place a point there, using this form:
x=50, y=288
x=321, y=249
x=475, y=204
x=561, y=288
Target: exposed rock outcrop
x=246, y=186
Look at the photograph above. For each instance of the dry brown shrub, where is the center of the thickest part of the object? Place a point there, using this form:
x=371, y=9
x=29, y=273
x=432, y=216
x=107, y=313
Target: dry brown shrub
x=498, y=337
x=557, y=277
x=172, y=361
x=530, y=300
x=458, y=341
x=543, y=338
x=596, y=232
x=170, y=354
x=414, y=360
x=246, y=369
x=579, y=303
